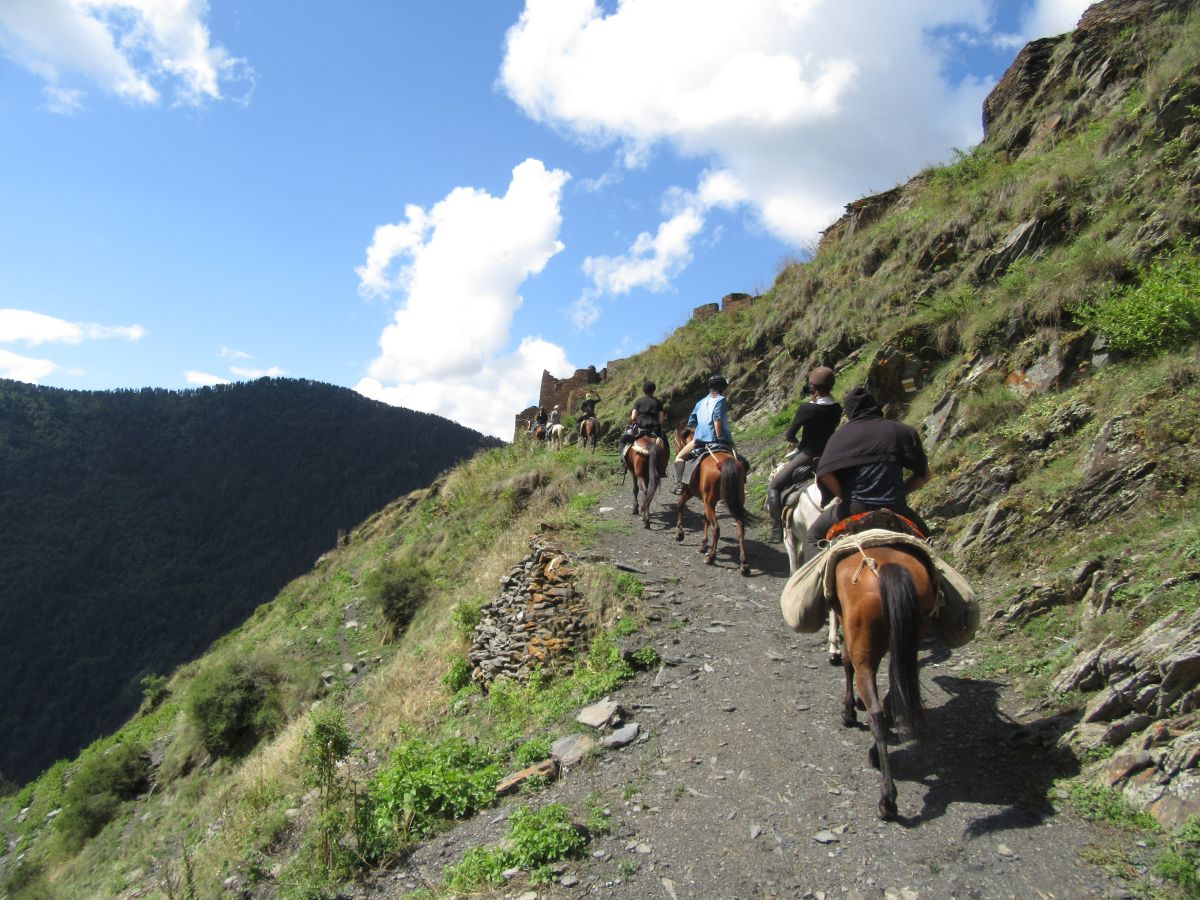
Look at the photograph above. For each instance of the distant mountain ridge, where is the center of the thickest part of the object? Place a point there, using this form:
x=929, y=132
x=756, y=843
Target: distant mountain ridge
x=138, y=526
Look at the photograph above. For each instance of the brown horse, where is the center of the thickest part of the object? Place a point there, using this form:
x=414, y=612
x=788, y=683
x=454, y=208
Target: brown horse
x=884, y=596
x=589, y=428
x=720, y=476
x=539, y=433
x=647, y=460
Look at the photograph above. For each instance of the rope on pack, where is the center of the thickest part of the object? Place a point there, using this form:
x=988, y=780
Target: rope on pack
x=869, y=561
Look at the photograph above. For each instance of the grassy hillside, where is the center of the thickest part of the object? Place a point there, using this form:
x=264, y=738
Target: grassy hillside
x=1042, y=293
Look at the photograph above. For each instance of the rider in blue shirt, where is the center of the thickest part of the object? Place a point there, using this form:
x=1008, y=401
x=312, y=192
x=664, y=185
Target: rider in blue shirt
x=710, y=419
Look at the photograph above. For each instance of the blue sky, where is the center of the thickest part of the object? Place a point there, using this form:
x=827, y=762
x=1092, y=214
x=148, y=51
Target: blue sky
x=432, y=202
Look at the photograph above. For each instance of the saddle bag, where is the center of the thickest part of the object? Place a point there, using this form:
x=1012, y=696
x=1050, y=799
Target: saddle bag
x=803, y=601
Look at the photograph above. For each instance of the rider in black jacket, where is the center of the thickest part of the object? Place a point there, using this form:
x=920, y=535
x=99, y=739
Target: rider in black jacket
x=814, y=422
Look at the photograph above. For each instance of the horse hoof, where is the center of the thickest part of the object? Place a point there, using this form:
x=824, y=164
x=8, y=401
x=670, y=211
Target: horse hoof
x=887, y=809
x=645, y=524
x=745, y=570
x=708, y=560
x=849, y=720
x=679, y=536
x=835, y=659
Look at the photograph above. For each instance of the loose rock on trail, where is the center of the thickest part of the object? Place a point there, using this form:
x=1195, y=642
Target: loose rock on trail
x=742, y=781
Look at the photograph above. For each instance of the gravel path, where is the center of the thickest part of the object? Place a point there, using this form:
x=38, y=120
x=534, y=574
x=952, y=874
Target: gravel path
x=745, y=784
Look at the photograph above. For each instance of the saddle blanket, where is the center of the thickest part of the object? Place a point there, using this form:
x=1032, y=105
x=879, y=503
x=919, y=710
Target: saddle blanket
x=692, y=463
x=806, y=596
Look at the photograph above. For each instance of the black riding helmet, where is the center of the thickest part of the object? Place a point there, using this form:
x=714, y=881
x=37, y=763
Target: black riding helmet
x=717, y=383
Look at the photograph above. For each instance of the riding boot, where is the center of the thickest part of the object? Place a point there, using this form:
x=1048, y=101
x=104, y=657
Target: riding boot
x=678, y=477
x=773, y=510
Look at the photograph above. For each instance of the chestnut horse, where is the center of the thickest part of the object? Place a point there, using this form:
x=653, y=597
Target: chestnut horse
x=539, y=433
x=720, y=476
x=884, y=596
x=588, y=429
x=647, y=460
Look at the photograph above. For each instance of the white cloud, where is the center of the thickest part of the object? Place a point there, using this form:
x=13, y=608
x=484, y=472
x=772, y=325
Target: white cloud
x=129, y=48
x=63, y=101
x=800, y=105
x=652, y=260
x=34, y=328
x=230, y=353
x=1046, y=18
x=459, y=266
x=243, y=372
x=24, y=368
x=203, y=378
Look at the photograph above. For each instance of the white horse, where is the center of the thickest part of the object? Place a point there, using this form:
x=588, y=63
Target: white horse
x=557, y=433
x=796, y=524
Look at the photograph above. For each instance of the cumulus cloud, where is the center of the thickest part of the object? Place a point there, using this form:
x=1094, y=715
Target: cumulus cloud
x=652, y=260
x=203, y=378
x=32, y=328
x=1046, y=18
x=24, y=368
x=799, y=105
x=458, y=267
x=128, y=48
x=250, y=373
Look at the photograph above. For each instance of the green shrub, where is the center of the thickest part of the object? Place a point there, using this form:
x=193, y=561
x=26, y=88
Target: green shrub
x=424, y=784
x=540, y=839
x=532, y=751
x=325, y=743
x=102, y=784
x=536, y=840
x=154, y=691
x=1160, y=312
x=1180, y=861
x=458, y=676
x=1099, y=803
x=233, y=705
x=398, y=588
x=467, y=614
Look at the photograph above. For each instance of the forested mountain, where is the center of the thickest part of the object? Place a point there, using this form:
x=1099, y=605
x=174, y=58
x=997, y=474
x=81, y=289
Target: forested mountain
x=138, y=526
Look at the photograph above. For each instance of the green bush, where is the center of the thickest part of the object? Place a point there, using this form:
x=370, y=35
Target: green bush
x=458, y=676
x=532, y=751
x=154, y=691
x=467, y=614
x=1160, y=312
x=232, y=706
x=1180, y=861
x=424, y=784
x=536, y=841
x=102, y=784
x=398, y=588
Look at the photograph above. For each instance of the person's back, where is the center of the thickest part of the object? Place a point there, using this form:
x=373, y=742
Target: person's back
x=555, y=416
x=646, y=416
x=863, y=465
x=813, y=424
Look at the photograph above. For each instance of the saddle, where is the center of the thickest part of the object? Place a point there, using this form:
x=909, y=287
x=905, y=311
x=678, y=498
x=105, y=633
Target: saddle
x=873, y=519
x=692, y=463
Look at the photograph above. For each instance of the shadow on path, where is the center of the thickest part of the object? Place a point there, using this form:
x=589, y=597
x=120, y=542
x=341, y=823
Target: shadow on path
x=978, y=755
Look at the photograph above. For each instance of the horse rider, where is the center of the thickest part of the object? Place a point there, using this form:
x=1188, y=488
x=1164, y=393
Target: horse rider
x=540, y=419
x=710, y=419
x=587, y=409
x=646, y=417
x=811, y=427
x=863, y=467
x=555, y=416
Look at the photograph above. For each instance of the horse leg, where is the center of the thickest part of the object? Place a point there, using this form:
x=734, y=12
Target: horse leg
x=684, y=496
x=865, y=678
x=741, y=538
x=637, y=482
x=835, y=648
x=849, y=713
x=710, y=516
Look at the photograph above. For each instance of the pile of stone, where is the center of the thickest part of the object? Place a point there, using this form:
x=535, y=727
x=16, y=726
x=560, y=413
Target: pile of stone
x=535, y=622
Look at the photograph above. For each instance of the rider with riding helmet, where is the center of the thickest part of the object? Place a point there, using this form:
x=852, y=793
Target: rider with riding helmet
x=710, y=419
x=587, y=409
x=814, y=422
x=863, y=466
x=646, y=417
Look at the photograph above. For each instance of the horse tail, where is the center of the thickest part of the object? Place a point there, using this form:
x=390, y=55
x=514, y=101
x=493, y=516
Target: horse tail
x=652, y=475
x=732, y=491
x=899, y=597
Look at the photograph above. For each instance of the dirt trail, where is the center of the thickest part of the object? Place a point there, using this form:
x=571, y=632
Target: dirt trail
x=744, y=767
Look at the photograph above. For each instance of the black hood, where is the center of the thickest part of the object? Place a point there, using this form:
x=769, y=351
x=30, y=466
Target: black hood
x=860, y=403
